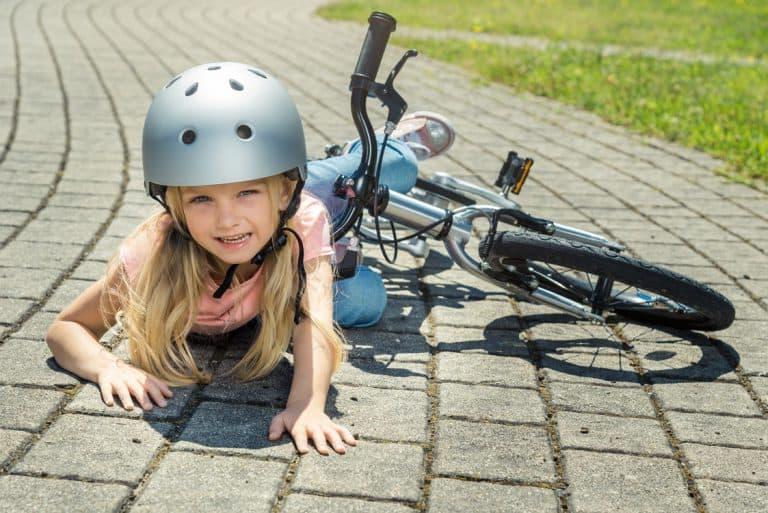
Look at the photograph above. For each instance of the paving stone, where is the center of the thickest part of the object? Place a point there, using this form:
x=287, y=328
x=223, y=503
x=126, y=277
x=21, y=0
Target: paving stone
x=11, y=443
x=27, y=408
x=611, y=433
x=684, y=361
x=478, y=402
x=760, y=386
x=90, y=447
x=44, y=255
x=233, y=428
x=483, y=369
x=493, y=451
x=496, y=315
x=105, y=249
x=454, y=496
x=64, y=232
x=617, y=483
x=601, y=399
x=89, y=270
x=719, y=429
x=27, y=283
x=705, y=397
x=403, y=316
x=89, y=400
x=304, y=503
x=272, y=389
x=74, y=214
x=724, y=497
x=70, y=199
x=36, y=326
x=584, y=367
x=727, y=463
x=384, y=471
x=458, y=284
x=67, y=292
x=383, y=373
x=364, y=343
x=380, y=413
x=211, y=482
x=11, y=310
x=22, y=493
x=30, y=362
x=481, y=341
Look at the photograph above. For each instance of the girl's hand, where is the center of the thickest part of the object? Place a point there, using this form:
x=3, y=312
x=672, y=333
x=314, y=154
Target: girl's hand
x=310, y=421
x=127, y=380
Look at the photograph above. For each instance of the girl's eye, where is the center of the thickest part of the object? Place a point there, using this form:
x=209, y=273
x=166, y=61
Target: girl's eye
x=199, y=199
x=249, y=192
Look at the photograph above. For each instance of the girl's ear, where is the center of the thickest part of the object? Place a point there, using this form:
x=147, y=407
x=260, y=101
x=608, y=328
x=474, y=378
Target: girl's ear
x=286, y=192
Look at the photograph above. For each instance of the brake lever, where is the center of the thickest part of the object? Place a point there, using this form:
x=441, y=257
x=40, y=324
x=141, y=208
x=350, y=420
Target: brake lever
x=389, y=97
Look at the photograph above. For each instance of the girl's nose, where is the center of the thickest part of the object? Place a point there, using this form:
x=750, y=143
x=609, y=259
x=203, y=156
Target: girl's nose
x=227, y=216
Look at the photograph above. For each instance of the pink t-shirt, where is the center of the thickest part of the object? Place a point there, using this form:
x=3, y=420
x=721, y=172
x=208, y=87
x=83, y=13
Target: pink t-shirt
x=220, y=315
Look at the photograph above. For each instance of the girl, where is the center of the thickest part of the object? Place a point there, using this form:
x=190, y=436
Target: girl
x=239, y=248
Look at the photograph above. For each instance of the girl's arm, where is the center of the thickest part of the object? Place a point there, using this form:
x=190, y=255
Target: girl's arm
x=313, y=360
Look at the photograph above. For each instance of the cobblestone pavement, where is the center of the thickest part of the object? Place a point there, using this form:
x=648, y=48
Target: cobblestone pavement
x=462, y=399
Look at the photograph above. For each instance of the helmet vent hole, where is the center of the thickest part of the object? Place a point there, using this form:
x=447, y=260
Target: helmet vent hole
x=191, y=90
x=244, y=132
x=188, y=136
x=169, y=84
x=257, y=72
x=214, y=68
x=237, y=86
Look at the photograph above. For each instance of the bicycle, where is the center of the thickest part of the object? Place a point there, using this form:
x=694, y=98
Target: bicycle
x=534, y=261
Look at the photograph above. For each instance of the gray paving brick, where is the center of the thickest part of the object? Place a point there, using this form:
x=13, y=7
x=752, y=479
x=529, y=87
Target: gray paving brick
x=724, y=497
x=614, y=483
x=719, y=429
x=493, y=451
x=36, y=326
x=233, y=428
x=383, y=373
x=11, y=443
x=601, y=399
x=304, y=503
x=403, y=316
x=26, y=283
x=380, y=413
x=27, y=408
x=727, y=463
x=11, y=310
x=89, y=270
x=477, y=402
x=473, y=313
x=212, y=482
x=21, y=253
x=65, y=294
x=30, y=362
x=584, y=367
x=64, y=232
x=105, y=249
x=74, y=214
x=760, y=385
x=454, y=496
x=91, y=447
x=611, y=433
x=457, y=284
x=365, y=343
x=272, y=389
x=70, y=199
x=713, y=397
x=88, y=400
x=513, y=371
x=384, y=471
x=481, y=341
x=22, y=493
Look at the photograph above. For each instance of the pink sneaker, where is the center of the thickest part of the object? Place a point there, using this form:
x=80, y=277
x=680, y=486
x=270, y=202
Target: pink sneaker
x=427, y=133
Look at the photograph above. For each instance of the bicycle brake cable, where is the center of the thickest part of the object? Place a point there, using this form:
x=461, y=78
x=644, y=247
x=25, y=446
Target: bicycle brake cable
x=376, y=207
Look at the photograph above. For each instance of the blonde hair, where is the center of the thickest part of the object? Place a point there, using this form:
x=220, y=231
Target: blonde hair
x=159, y=306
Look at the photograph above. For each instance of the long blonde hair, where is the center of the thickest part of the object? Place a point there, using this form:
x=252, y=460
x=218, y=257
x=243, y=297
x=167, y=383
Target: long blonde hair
x=158, y=308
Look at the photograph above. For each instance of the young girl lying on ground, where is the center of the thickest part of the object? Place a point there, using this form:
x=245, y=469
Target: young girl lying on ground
x=239, y=248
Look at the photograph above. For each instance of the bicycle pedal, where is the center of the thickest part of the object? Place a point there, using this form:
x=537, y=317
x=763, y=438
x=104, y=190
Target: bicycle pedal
x=513, y=173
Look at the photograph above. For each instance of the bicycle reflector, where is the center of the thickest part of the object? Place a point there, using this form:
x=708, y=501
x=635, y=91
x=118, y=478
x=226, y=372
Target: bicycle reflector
x=513, y=173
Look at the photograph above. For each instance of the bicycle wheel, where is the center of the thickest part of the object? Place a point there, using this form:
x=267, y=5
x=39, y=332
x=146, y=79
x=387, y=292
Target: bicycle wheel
x=610, y=282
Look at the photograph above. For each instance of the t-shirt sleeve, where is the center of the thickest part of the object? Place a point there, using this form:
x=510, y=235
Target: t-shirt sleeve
x=135, y=249
x=314, y=227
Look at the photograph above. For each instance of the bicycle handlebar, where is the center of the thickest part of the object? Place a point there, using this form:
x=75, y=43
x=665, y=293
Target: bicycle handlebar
x=380, y=26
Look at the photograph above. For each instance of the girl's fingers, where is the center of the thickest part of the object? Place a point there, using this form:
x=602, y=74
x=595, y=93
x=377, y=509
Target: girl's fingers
x=164, y=388
x=106, y=393
x=140, y=394
x=333, y=437
x=300, y=439
x=125, y=397
x=346, y=435
x=319, y=438
x=156, y=394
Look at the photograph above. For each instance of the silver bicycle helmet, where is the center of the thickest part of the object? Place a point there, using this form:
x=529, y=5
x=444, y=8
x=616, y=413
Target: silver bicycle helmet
x=224, y=122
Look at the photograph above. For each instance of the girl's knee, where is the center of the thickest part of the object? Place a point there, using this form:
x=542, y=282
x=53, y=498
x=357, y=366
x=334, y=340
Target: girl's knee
x=360, y=301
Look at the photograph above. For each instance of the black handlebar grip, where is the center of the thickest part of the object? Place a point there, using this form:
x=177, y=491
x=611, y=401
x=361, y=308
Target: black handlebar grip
x=380, y=26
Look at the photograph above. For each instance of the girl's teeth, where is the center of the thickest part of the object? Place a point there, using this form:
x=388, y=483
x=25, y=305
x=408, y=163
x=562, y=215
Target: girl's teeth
x=236, y=239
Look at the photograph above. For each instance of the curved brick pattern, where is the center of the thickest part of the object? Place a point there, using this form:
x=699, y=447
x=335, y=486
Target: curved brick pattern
x=462, y=398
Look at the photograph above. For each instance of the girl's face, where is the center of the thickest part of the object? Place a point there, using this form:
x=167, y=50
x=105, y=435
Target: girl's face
x=233, y=221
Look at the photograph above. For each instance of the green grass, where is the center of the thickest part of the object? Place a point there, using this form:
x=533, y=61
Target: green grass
x=721, y=27
x=720, y=108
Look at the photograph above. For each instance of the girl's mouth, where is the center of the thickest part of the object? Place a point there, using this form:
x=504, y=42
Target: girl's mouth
x=234, y=242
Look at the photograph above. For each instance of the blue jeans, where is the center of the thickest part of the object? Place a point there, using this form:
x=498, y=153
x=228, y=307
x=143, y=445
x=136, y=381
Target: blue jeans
x=360, y=301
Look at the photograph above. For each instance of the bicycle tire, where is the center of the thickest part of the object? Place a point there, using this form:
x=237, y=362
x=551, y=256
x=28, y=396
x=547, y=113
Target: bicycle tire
x=707, y=309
